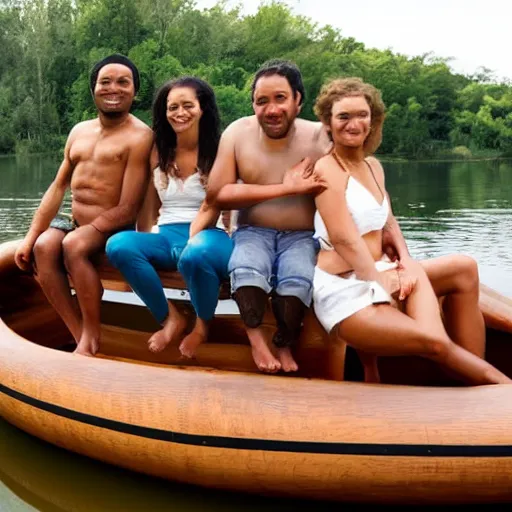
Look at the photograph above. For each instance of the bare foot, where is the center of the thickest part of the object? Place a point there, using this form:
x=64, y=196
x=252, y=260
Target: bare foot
x=261, y=354
x=198, y=335
x=288, y=364
x=172, y=330
x=87, y=346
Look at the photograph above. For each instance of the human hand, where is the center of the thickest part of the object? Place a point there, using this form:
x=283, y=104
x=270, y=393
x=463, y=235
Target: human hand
x=303, y=179
x=406, y=279
x=390, y=282
x=23, y=255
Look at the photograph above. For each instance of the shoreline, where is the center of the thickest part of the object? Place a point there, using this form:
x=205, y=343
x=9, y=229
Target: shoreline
x=382, y=157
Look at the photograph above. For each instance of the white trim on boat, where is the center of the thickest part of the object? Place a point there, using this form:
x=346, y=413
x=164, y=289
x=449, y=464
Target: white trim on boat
x=224, y=307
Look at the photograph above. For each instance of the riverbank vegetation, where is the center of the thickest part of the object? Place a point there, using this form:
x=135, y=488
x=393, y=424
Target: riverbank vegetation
x=49, y=47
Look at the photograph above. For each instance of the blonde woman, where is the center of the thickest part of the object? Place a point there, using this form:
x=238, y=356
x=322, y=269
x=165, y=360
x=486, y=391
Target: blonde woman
x=354, y=279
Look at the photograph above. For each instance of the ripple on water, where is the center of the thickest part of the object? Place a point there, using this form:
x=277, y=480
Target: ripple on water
x=482, y=234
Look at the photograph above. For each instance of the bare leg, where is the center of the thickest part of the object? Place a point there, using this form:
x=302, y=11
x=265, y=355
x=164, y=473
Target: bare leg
x=289, y=312
x=336, y=358
x=172, y=330
x=88, y=290
x=252, y=303
x=263, y=357
x=383, y=330
x=370, y=366
x=198, y=335
x=52, y=277
x=456, y=278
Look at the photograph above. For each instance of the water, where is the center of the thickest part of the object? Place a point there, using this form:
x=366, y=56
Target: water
x=442, y=208
x=448, y=208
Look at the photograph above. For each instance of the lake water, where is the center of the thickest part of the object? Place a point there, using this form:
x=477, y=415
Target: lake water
x=442, y=208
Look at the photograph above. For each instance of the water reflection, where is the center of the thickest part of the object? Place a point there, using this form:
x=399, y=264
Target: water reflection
x=24, y=181
x=446, y=208
x=36, y=474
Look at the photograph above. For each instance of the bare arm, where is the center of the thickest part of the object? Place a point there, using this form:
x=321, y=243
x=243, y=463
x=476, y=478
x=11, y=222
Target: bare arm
x=50, y=203
x=148, y=214
x=242, y=195
x=224, y=193
x=224, y=170
x=52, y=198
x=343, y=233
x=207, y=216
x=132, y=191
x=393, y=241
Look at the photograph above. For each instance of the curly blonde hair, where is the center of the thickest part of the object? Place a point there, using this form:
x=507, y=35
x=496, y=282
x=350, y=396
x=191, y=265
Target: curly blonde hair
x=339, y=88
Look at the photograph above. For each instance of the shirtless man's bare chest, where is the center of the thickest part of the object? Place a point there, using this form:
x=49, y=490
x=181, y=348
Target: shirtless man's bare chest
x=260, y=162
x=99, y=160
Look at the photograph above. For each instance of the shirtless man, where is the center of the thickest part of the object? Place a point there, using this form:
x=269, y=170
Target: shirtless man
x=274, y=249
x=106, y=166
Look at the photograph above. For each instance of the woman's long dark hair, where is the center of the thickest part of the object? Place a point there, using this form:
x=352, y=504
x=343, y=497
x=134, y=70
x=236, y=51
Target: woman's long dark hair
x=209, y=125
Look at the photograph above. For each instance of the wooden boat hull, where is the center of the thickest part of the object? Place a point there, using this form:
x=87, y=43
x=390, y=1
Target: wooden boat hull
x=272, y=435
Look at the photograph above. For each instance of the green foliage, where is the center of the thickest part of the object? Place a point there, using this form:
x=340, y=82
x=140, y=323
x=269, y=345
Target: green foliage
x=462, y=152
x=233, y=103
x=49, y=47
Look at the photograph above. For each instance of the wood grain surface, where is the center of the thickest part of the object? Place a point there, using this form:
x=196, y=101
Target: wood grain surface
x=215, y=421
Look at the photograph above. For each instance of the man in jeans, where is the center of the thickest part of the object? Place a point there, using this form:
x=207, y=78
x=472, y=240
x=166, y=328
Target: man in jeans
x=264, y=169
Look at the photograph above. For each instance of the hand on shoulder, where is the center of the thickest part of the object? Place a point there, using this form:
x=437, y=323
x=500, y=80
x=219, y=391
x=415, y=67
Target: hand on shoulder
x=326, y=167
x=303, y=179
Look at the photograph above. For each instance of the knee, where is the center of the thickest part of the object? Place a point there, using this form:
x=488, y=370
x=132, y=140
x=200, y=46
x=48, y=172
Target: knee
x=436, y=347
x=45, y=250
x=194, y=255
x=210, y=247
x=252, y=303
x=298, y=288
x=119, y=248
x=73, y=249
x=467, y=274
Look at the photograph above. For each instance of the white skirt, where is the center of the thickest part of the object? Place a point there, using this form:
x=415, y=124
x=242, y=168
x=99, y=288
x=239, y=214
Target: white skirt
x=336, y=298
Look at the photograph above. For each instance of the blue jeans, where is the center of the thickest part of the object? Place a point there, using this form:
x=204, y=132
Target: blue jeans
x=201, y=260
x=271, y=259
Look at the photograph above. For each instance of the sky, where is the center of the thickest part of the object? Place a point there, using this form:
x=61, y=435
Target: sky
x=474, y=33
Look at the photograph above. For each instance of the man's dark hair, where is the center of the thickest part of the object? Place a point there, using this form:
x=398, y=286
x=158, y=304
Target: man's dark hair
x=115, y=58
x=283, y=68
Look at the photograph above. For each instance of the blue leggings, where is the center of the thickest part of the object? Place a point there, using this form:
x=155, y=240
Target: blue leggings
x=202, y=261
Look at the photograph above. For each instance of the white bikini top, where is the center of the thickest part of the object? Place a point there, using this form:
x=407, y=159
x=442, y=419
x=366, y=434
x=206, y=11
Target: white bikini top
x=367, y=213
x=181, y=199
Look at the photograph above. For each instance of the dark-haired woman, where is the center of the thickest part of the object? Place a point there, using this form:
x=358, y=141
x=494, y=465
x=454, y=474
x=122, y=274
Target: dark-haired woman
x=187, y=132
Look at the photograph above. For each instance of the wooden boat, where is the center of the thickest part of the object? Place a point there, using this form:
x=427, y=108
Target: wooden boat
x=216, y=422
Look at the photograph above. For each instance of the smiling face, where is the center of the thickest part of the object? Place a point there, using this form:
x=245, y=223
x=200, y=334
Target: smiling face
x=275, y=105
x=114, y=90
x=350, y=121
x=183, y=109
